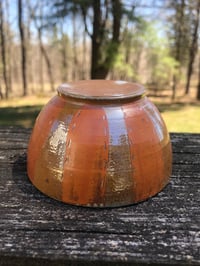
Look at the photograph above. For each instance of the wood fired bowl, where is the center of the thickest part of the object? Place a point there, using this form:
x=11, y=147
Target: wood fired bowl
x=100, y=143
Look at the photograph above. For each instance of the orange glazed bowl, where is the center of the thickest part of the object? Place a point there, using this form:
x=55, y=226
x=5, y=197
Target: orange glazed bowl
x=100, y=143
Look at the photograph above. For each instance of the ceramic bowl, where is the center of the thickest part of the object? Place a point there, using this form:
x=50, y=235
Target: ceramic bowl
x=100, y=143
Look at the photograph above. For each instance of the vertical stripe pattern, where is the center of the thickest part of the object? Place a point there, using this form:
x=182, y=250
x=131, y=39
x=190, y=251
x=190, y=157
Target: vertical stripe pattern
x=146, y=136
x=86, y=158
x=50, y=166
x=119, y=175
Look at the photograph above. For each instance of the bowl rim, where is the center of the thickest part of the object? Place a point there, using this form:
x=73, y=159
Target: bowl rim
x=101, y=89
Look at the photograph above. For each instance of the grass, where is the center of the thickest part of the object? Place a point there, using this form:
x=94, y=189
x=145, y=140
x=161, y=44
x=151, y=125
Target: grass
x=20, y=116
x=179, y=117
x=21, y=111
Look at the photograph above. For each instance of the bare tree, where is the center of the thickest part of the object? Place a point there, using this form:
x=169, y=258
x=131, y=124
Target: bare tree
x=23, y=47
x=46, y=58
x=102, y=60
x=198, y=86
x=84, y=58
x=63, y=50
x=3, y=52
x=179, y=38
x=1, y=94
x=194, y=44
x=30, y=74
x=41, y=61
x=75, y=57
x=9, y=46
x=39, y=26
x=105, y=18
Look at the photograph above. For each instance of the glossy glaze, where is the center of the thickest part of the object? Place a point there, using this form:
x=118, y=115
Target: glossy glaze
x=100, y=144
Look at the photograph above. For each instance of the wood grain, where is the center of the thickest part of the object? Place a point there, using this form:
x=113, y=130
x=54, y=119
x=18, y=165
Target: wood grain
x=37, y=230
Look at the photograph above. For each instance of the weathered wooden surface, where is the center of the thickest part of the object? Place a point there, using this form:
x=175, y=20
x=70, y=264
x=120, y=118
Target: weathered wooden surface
x=37, y=230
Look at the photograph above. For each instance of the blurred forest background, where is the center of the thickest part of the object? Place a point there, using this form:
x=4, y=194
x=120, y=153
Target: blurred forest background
x=156, y=42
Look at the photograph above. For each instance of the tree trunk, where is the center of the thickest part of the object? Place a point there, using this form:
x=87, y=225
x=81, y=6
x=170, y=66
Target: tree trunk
x=41, y=74
x=30, y=75
x=3, y=52
x=114, y=44
x=127, y=49
x=47, y=60
x=42, y=49
x=99, y=67
x=174, y=85
x=75, y=58
x=23, y=46
x=9, y=47
x=95, y=39
x=84, y=59
x=198, y=86
x=193, y=48
x=180, y=13
x=117, y=13
x=64, y=43
x=1, y=94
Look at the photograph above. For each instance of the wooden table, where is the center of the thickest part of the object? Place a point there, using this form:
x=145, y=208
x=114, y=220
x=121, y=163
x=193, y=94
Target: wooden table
x=37, y=230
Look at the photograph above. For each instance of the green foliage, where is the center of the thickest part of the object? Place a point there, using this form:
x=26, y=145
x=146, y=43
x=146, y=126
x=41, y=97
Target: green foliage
x=121, y=69
x=144, y=45
x=105, y=28
x=163, y=65
x=164, y=69
x=180, y=28
x=111, y=53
